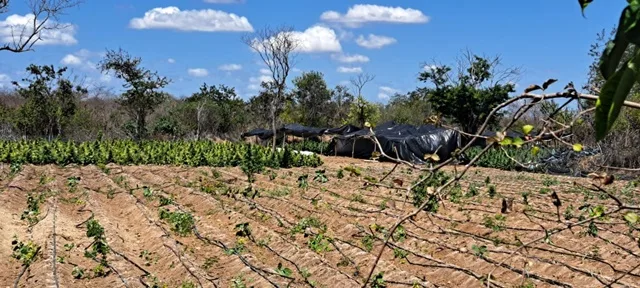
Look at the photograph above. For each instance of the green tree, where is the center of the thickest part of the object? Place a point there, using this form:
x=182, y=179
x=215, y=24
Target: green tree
x=468, y=98
x=312, y=98
x=411, y=108
x=143, y=86
x=51, y=100
x=363, y=111
x=341, y=101
x=216, y=110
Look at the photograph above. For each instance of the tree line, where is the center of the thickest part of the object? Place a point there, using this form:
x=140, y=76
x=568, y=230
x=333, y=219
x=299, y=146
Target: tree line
x=49, y=104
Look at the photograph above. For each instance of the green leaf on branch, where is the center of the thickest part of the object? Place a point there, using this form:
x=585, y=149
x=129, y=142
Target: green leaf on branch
x=518, y=142
x=614, y=51
x=629, y=20
x=506, y=141
x=526, y=129
x=632, y=218
x=584, y=4
x=612, y=96
x=577, y=147
x=535, y=150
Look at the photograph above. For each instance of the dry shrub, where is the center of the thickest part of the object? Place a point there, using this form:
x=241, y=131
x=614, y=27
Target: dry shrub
x=621, y=147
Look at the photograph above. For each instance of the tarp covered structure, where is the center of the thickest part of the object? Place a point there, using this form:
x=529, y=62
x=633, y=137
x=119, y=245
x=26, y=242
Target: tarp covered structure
x=410, y=142
x=407, y=142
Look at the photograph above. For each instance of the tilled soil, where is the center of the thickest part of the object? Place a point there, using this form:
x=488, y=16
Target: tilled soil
x=297, y=231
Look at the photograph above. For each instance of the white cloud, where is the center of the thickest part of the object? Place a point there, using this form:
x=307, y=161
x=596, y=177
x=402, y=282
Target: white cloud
x=198, y=72
x=346, y=58
x=343, y=69
x=207, y=20
x=224, y=1
x=429, y=67
x=81, y=59
x=57, y=34
x=5, y=80
x=254, y=82
x=230, y=67
x=373, y=41
x=71, y=60
x=171, y=60
x=385, y=92
x=315, y=39
x=359, y=14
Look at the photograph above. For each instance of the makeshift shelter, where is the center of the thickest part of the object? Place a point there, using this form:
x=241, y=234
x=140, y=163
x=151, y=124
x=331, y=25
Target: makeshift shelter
x=407, y=142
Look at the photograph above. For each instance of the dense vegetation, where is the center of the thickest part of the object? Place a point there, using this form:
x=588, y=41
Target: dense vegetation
x=126, y=152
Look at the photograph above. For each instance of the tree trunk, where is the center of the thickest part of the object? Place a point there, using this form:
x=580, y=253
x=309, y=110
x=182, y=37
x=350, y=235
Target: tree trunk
x=273, y=126
x=140, y=125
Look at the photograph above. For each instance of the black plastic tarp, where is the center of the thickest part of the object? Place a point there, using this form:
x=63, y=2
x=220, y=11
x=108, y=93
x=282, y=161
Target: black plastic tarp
x=263, y=134
x=343, y=130
x=410, y=142
x=301, y=131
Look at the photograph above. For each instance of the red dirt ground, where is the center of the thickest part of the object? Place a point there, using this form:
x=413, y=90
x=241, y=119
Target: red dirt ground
x=458, y=246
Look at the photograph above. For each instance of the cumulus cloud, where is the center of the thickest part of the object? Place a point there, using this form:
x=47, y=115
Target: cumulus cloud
x=230, y=67
x=54, y=34
x=359, y=14
x=206, y=20
x=346, y=58
x=343, y=69
x=385, y=92
x=81, y=59
x=71, y=60
x=171, y=60
x=315, y=39
x=198, y=72
x=373, y=41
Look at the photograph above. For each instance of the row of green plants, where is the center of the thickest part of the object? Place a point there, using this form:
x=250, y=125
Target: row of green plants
x=502, y=157
x=126, y=152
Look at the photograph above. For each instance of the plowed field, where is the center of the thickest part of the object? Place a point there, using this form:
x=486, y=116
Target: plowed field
x=326, y=234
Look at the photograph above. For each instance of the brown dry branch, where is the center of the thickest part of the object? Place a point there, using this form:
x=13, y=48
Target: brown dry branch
x=569, y=94
x=45, y=15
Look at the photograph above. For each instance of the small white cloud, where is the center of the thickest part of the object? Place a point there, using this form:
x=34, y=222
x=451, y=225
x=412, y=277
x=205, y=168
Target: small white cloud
x=265, y=71
x=81, y=59
x=359, y=14
x=230, y=67
x=346, y=58
x=16, y=25
x=297, y=70
x=385, y=92
x=71, y=60
x=207, y=20
x=373, y=41
x=315, y=39
x=343, y=69
x=171, y=60
x=198, y=72
x=429, y=67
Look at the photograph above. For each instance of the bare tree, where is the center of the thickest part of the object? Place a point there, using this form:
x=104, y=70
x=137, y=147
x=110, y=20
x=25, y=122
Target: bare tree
x=277, y=49
x=45, y=18
x=360, y=81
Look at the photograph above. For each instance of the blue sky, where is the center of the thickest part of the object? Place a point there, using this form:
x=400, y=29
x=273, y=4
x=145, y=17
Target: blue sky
x=184, y=41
